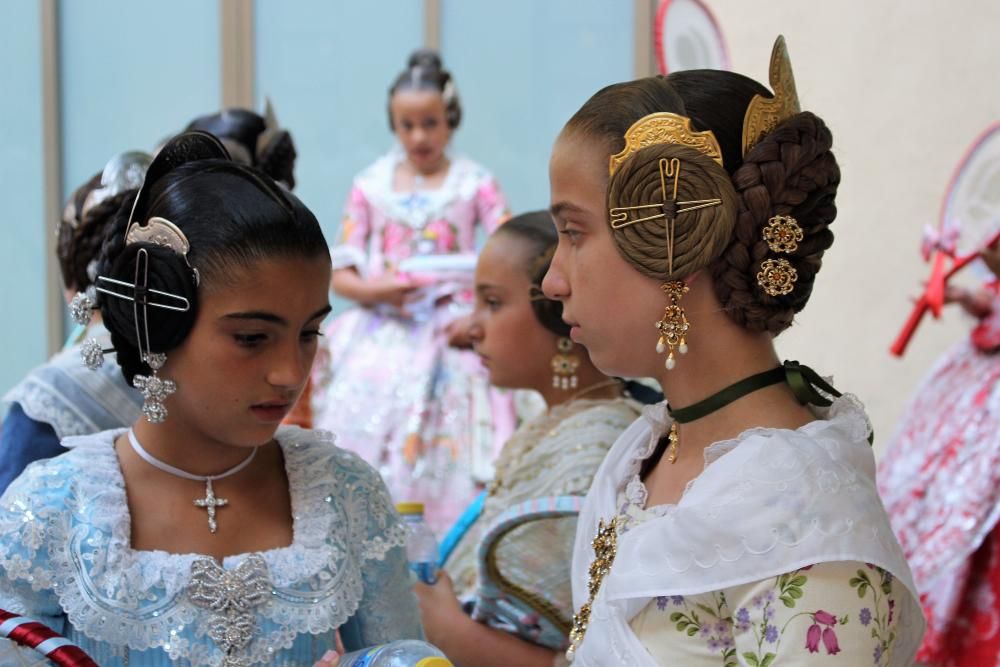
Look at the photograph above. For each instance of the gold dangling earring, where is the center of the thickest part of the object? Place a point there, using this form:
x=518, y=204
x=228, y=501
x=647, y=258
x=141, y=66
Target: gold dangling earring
x=673, y=326
x=564, y=366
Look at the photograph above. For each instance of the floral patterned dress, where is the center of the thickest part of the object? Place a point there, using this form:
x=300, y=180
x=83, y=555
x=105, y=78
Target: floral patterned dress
x=836, y=613
x=940, y=479
x=386, y=381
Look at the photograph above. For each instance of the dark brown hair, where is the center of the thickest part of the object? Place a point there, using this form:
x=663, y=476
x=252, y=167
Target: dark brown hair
x=424, y=71
x=81, y=233
x=791, y=171
x=538, y=230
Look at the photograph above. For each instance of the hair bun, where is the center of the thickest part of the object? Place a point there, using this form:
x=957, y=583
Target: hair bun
x=699, y=235
x=791, y=171
x=167, y=272
x=426, y=58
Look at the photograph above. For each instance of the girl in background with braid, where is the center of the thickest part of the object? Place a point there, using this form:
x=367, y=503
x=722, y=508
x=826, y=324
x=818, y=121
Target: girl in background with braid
x=521, y=605
x=386, y=379
x=61, y=398
x=738, y=523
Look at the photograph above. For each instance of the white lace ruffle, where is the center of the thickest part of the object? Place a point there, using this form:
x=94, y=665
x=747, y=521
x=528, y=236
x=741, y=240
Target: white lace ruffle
x=847, y=411
x=74, y=510
x=464, y=178
x=768, y=502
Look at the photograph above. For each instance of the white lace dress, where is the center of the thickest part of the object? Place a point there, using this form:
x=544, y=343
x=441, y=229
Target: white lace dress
x=65, y=559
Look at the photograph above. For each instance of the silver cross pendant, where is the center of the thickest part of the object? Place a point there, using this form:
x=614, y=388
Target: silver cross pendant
x=210, y=503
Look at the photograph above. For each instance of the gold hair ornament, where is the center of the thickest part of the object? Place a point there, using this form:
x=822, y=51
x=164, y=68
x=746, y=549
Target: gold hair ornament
x=765, y=113
x=783, y=234
x=777, y=277
x=665, y=128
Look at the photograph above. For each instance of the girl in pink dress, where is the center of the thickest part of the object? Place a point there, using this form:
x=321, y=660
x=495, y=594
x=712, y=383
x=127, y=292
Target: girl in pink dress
x=386, y=381
x=940, y=480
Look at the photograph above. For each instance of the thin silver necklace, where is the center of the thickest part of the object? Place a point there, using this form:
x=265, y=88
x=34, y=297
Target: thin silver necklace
x=210, y=502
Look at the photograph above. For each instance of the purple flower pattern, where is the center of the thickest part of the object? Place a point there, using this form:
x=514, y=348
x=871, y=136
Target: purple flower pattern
x=718, y=628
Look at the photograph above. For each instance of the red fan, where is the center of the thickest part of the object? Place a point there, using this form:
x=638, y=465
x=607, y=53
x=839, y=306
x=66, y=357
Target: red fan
x=688, y=37
x=38, y=636
x=969, y=222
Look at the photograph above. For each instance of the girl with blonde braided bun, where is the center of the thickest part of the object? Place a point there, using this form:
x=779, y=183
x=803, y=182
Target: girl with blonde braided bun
x=737, y=523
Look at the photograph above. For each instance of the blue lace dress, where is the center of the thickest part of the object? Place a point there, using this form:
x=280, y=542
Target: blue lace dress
x=66, y=560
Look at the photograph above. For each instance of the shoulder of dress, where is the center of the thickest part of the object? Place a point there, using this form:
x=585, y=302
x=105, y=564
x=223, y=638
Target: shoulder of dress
x=314, y=457
x=90, y=460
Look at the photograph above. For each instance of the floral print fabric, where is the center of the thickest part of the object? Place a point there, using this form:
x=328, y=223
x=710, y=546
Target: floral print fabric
x=386, y=381
x=840, y=613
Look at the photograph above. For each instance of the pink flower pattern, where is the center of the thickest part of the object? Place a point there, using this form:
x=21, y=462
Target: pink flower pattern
x=769, y=617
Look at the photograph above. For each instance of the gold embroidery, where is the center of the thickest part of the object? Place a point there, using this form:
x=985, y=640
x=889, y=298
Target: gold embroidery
x=605, y=548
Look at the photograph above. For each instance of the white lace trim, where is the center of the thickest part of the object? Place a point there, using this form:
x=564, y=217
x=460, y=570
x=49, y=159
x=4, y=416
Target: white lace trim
x=463, y=180
x=846, y=410
x=112, y=593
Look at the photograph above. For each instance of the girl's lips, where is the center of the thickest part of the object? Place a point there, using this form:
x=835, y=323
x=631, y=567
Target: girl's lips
x=271, y=412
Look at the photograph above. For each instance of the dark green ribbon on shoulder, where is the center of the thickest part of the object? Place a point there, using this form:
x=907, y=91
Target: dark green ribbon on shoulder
x=804, y=382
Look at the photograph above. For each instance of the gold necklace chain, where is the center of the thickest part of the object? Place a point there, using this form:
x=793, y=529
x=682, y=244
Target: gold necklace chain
x=593, y=387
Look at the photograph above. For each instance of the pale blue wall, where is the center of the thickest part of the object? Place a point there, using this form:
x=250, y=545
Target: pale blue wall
x=133, y=71
x=22, y=228
x=327, y=66
x=522, y=68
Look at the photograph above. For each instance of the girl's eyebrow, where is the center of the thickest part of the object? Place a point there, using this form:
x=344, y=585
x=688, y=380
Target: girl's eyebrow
x=271, y=317
x=559, y=208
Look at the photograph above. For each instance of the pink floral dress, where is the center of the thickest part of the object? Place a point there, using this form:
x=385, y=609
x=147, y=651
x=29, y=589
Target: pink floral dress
x=386, y=382
x=940, y=479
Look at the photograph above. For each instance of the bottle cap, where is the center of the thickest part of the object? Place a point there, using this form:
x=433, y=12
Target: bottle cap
x=435, y=662
x=410, y=508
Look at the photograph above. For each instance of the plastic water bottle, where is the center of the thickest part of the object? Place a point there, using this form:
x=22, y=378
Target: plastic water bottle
x=403, y=653
x=421, y=545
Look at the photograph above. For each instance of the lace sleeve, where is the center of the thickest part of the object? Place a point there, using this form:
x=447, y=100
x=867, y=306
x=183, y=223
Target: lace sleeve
x=388, y=609
x=29, y=509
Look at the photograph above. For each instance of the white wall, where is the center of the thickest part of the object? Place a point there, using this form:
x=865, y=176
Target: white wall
x=905, y=86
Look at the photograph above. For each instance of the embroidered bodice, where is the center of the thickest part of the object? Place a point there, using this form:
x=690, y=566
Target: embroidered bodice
x=65, y=559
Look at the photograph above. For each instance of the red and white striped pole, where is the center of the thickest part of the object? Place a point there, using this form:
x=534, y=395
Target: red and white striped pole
x=40, y=637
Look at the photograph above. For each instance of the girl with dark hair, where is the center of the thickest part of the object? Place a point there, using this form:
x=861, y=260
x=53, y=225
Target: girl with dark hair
x=206, y=534
x=521, y=612
x=61, y=398
x=386, y=380
x=739, y=523
x=253, y=140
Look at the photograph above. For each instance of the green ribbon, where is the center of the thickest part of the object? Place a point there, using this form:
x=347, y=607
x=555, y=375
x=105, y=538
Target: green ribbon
x=804, y=382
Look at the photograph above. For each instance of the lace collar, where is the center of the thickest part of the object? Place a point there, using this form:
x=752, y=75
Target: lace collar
x=74, y=507
x=419, y=207
x=845, y=413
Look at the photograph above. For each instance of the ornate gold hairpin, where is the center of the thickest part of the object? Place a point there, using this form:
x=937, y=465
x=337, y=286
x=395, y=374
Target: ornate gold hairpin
x=777, y=277
x=783, y=234
x=669, y=208
x=764, y=113
x=665, y=128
